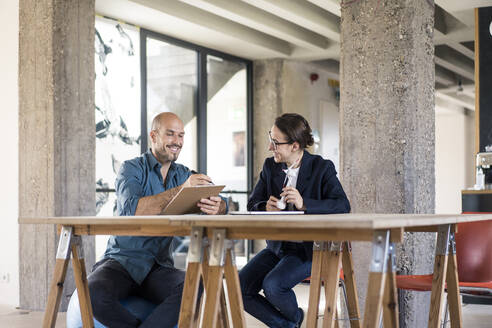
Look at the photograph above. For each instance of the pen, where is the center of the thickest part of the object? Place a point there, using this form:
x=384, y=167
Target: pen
x=281, y=202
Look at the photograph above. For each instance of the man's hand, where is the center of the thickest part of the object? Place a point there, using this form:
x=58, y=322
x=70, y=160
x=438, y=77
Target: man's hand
x=292, y=196
x=213, y=205
x=197, y=180
x=271, y=205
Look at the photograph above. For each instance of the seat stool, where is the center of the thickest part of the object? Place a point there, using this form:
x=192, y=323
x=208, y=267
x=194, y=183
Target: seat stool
x=139, y=307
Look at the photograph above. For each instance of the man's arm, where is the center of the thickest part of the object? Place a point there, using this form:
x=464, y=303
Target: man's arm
x=154, y=205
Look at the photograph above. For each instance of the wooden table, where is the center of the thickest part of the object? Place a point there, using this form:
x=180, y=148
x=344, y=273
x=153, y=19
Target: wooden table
x=329, y=232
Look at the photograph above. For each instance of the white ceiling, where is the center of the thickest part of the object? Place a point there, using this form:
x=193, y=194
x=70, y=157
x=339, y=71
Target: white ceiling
x=297, y=29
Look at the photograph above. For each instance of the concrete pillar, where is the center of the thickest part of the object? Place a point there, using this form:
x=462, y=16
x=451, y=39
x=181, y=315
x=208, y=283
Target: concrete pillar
x=56, y=133
x=387, y=127
x=267, y=105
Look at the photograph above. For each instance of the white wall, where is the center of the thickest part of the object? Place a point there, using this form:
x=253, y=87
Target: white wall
x=455, y=147
x=9, y=199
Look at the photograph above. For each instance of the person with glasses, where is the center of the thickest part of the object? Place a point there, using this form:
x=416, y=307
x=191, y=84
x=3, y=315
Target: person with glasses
x=293, y=179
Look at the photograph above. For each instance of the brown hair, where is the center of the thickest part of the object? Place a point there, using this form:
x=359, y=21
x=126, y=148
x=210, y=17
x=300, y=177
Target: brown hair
x=296, y=128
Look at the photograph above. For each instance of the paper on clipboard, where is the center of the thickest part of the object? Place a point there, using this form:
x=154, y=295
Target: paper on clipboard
x=184, y=202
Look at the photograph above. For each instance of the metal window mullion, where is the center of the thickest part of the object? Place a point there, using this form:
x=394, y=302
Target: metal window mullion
x=143, y=91
x=202, y=112
x=249, y=123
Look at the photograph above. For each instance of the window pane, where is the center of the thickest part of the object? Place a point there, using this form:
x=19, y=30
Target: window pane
x=172, y=87
x=226, y=123
x=117, y=96
x=237, y=201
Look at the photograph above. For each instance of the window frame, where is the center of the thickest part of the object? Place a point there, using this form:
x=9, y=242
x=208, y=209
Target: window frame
x=201, y=104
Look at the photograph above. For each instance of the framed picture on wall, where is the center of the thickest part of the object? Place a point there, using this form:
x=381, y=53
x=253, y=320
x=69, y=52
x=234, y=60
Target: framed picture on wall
x=239, y=145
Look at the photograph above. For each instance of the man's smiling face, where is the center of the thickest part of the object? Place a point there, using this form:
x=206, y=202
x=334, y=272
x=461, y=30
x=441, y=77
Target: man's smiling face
x=167, y=140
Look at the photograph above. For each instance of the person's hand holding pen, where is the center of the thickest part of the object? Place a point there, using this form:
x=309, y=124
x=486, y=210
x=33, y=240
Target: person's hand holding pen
x=197, y=179
x=271, y=205
x=292, y=196
x=213, y=205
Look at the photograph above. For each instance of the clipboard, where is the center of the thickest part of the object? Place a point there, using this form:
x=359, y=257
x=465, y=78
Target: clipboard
x=184, y=202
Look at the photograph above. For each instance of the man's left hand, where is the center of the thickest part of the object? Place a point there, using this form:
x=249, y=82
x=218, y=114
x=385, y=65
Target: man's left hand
x=292, y=196
x=213, y=205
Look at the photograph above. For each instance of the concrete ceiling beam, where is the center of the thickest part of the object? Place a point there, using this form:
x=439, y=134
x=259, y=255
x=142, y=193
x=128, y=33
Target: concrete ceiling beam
x=263, y=21
x=439, y=20
x=455, y=62
x=460, y=9
x=303, y=13
x=445, y=77
x=467, y=90
x=332, y=52
x=203, y=18
x=445, y=22
x=460, y=100
x=333, y=6
x=460, y=35
x=441, y=38
x=462, y=49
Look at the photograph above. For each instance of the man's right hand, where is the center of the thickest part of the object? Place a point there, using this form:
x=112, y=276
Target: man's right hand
x=271, y=204
x=197, y=180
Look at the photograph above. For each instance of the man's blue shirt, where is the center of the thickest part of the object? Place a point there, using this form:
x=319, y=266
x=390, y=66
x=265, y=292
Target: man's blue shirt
x=138, y=178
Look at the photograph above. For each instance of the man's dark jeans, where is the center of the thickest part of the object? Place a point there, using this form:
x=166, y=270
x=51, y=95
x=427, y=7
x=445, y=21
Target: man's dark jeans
x=110, y=282
x=276, y=276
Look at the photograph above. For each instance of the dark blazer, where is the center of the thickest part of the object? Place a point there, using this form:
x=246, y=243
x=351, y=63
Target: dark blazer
x=318, y=185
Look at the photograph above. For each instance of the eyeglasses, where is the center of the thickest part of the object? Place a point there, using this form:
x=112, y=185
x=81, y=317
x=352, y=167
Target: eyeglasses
x=275, y=142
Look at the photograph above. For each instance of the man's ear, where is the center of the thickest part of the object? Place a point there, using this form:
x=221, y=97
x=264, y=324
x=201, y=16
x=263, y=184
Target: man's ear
x=152, y=136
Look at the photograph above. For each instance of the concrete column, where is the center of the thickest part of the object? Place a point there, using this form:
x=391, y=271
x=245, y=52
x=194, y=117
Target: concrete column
x=56, y=134
x=387, y=127
x=267, y=105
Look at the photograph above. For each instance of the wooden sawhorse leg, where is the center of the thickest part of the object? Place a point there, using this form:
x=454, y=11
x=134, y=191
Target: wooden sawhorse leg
x=445, y=270
x=192, y=280
x=350, y=286
x=212, y=268
x=68, y=243
x=378, y=276
x=454, y=297
x=222, y=321
x=390, y=298
x=214, y=279
x=325, y=268
x=315, y=284
x=330, y=274
x=80, y=275
x=327, y=259
x=56, y=288
x=234, y=288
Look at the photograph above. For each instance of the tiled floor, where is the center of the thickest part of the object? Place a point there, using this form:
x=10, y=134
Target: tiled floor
x=474, y=316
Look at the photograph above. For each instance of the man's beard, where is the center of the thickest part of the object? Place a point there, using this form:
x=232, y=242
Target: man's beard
x=164, y=156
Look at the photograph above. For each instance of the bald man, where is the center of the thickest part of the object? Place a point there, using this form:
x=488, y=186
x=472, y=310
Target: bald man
x=144, y=266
